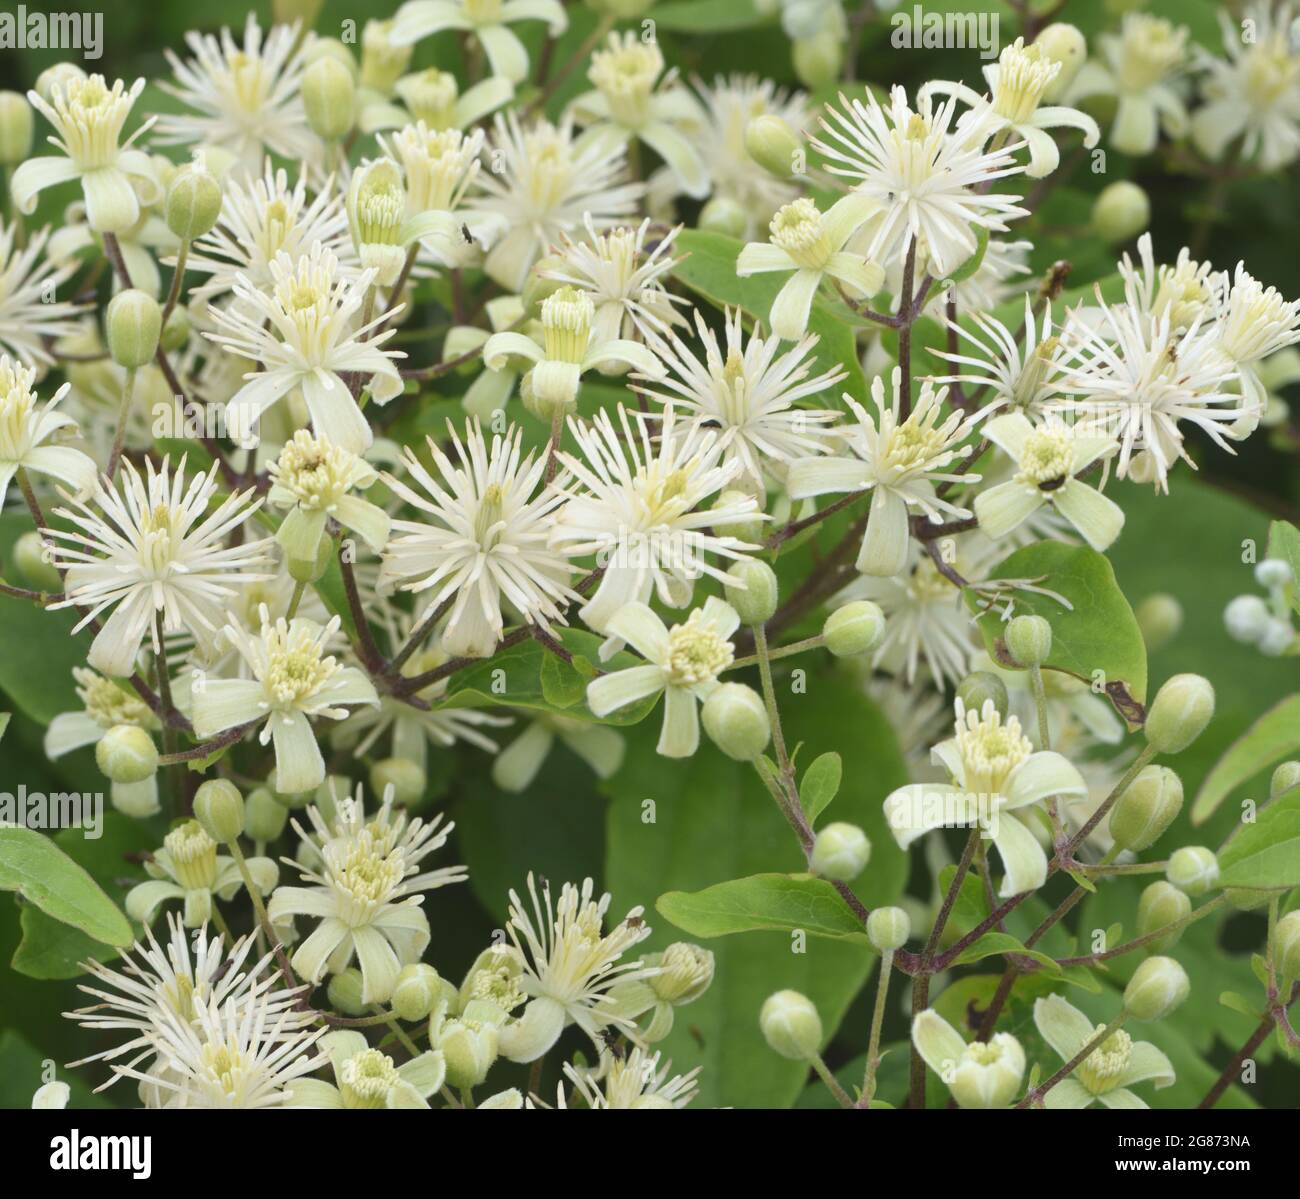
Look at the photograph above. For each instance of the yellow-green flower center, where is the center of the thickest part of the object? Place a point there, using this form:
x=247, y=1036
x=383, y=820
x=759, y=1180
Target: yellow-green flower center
x=1150, y=49
x=296, y=666
x=990, y=750
x=1047, y=458
x=1024, y=73
x=366, y=1078
x=697, y=653
x=566, y=325
x=1104, y=1068
x=431, y=96
x=625, y=76
x=194, y=856
x=798, y=229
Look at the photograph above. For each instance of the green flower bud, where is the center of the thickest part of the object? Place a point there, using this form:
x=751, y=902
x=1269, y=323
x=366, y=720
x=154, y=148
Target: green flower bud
x=772, y=144
x=791, y=1025
x=750, y=531
x=854, y=628
x=329, y=96
x=1160, y=617
x=1157, y=987
x=264, y=815
x=685, y=972
x=1120, y=212
x=1193, y=869
x=1029, y=640
x=841, y=852
x=193, y=201
x=755, y=591
x=1064, y=44
x=724, y=215
x=344, y=992
x=977, y=689
x=382, y=63
x=16, y=128
x=330, y=47
x=1286, y=945
x=59, y=75
x=470, y=1048
x=127, y=754
x=133, y=325
x=406, y=778
x=818, y=59
x=417, y=989
x=309, y=570
x=1160, y=906
x=735, y=719
x=1285, y=776
x=32, y=560
x=176, y=332
x=219, y=808
x=1179, y=713
x=888, y=929
x=1147, y=808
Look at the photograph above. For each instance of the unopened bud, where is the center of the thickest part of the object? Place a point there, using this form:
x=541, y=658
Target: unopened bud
x=840, y=852
x=1179, y=713
x=736, y=721
x=854, y=628
x=133, y=325
x=127, y=754
x=176, y=332
x=888, y=929
x=219, y=808
x=1147, y=808
x=1029, y=640
x=344, y=992
x=264, y=815
x=1161, y=905
x=982, y=687
x=330, y=47
x=754, y=592
x=791, y=1025
x=1193, y=869
x=818, y=59
x=772, y=144
x=1272, y=573
x=309, y=570
x=417, y=988
x=1285, y=776
x=1246, y=618
x=329, y=96
x=724, y=215
x=1120, y=212
x=470, y=1048
x=16, y=128
x=1159, y=617
x=193, y=201
x=685, y=972
x=1286, y=945
x=1157, y=987
x=405, y=777
x=1062, y=43
x=32, y=560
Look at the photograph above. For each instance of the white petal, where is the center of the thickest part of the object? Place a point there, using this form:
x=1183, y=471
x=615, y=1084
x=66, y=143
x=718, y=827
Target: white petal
x=1022, y=857
x=885, y=543
x=613, y=691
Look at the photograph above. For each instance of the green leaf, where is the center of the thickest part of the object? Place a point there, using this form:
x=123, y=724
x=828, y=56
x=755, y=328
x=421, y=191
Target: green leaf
x=1238, y=1003
x=42, y=873
x=1265, y=855
x=992, y=943
x=1096, y=638
x=1284, y=543
x=1274, y=736
x=709, y=269
x=772, y=902
x=562, y=685
x=821, y=783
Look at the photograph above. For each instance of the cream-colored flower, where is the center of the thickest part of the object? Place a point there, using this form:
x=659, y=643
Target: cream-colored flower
x=29, y=278
x=982, y=1074
x=487, y=20
x=434, y=97
x=636, y=1082
x=369, y=1078
x=25, y=430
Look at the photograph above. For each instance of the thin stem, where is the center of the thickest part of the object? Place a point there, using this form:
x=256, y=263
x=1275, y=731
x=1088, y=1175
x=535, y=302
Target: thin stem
x=905, y=331
x=553, y=446
x=174, y=292
x=416, y=639
x=764, y=659
x=784, y=651
x=842, y=1096
x=123, y=414
x=1035, y=1097
x=1253, y=1042
x=207, y=748
x=1139, y=763
x=1175, y=926
x=580, y=56
x=367, y=650
x=877, y=1020
x=294, y=600
x=1040, y=701
x=29, y=496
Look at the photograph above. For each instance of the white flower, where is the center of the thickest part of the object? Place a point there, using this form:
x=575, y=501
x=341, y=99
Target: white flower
x=28, y=277
x=1047, y=459
x=24, y=430
x=547, y=185
x=811, y=244
x=1134, y=378
x=366, y=892
x=635, y=1082
x=1138, y=65
x=982, y=1074
x=751, y=394
x=369, y=1078
x=312, y=478
x=488, y=20
x=621, y=278
x=569, y=966
x=246, y=101
x=682, y=662
x=998, y=783
x=640, y=507
x=1255, y=320
x=304, y=335
x=293, y=680
x=51, y=1096
x=433, y=97
x=154, y=981
x=1255, y=94
x=930, y=181
x=1185, y=292
x=629, y=103
x=156, y=554
x=381, y=224
x=570, y=347
x=1017, y=82
x=115, y=180
x=1108, y=1071
x=898, y=460
x=487, y=542
x=516, y=766
x=261, y=218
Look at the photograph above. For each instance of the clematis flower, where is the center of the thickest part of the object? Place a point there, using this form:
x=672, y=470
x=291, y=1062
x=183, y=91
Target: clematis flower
x=1105, y=1075
x=998, y=781
x=1048, y=458
x=24, y=430
x=487, y=20
x=115, y=180
x=369, y=1078
x=983, y=1074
